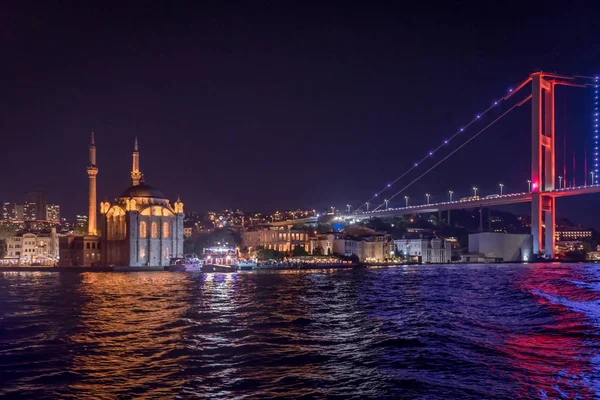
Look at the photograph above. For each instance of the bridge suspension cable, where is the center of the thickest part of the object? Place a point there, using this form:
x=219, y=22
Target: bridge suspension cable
x=511, y=92
x=455, y=150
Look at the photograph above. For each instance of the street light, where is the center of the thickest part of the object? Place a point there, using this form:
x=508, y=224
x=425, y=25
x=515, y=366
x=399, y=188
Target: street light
x=529, y=183
x=386, y=203
x=450, y=192
x=406, y=200
x=474, y=191
x=332, y=209
x=348, y=208
x=427, y=195
x=368, y=206
x=592, y=177
x=501, y=186
x=560, y=182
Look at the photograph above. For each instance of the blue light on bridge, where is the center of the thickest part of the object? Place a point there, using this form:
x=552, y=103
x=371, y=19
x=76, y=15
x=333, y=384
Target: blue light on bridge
x=596, y=112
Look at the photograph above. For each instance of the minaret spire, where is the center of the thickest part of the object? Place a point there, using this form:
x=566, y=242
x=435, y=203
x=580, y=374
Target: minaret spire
x=136, y=175
x=92, y=171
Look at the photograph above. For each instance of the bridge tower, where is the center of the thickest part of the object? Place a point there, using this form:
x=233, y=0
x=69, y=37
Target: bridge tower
x=542, y=163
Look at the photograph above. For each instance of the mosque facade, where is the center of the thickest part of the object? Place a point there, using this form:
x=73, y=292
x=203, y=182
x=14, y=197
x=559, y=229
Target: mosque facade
x=139, y=228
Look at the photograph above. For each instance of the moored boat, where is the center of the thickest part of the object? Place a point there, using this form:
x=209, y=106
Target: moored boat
x=246, y=265
x=190, y=262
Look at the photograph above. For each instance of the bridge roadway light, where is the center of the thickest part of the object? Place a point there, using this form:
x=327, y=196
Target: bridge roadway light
x=560, y=178
x=474, y=191
x=529, y=183
x=386, y=203
x=450, y=192
x=501, y=186
x=427, y=195
x=406, y=200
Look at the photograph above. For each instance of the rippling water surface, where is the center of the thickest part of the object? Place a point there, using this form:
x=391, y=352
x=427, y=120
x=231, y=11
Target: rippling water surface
x=488, y=331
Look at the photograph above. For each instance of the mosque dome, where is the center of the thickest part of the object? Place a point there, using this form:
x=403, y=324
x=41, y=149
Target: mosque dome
x=143, y=190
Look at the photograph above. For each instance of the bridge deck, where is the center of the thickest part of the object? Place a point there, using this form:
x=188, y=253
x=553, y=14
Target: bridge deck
x=511, y=198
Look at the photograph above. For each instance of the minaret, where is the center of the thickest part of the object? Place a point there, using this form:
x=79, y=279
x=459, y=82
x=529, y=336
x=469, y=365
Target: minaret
x=92, y=171
x=136, y=175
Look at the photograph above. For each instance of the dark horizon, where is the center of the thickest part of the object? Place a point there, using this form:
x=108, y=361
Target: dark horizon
x=263, y=107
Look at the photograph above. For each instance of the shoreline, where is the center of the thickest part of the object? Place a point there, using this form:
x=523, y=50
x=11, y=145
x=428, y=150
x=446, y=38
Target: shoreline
x=222, y=269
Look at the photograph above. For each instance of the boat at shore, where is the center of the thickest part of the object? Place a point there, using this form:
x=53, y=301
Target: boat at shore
x=246, y=265
x=190, y=262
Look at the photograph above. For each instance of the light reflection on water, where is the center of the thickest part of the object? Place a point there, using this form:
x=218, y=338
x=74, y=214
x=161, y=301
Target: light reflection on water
x=495, y=331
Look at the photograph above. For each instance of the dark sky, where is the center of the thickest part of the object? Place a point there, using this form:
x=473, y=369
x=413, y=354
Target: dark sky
x=263, y=106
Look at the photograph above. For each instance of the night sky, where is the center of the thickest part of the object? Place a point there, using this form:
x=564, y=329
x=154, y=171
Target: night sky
x=268, y=106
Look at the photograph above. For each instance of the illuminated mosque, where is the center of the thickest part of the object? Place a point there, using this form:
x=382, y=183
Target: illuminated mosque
x=139, y=228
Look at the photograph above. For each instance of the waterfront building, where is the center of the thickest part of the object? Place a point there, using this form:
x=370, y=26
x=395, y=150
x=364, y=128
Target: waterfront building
x=276, y=238
x=29, y=248
x=80, y=251
x=434, y=250
x=565, y=246
x=374, y=247
x=505, y=247
x=53, y=213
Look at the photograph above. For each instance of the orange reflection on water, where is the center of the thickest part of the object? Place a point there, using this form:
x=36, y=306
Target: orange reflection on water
x=129, y=331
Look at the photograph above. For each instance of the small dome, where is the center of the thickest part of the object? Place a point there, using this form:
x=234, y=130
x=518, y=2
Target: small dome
x=143, y=190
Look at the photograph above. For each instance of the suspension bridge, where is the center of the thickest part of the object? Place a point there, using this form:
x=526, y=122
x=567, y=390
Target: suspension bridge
x=543, y=189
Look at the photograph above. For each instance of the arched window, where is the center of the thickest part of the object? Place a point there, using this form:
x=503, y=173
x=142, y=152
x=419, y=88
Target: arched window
x=143, y=229
x=154, y=230
x=165, y=230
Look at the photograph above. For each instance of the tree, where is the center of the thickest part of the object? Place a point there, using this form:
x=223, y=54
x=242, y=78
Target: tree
x=2, y=248
x=318, y=251
x=7, y=230
x=188, y=246
x=269, y=254
x=299, y=251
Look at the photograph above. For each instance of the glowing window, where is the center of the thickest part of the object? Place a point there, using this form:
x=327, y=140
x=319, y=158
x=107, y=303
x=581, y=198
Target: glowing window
x=166, y=252
x=154, y=230
x=165, y=230
x=142, y=252
x=143, y=229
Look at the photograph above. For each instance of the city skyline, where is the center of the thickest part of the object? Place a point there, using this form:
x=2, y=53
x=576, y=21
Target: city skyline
x=289, y=122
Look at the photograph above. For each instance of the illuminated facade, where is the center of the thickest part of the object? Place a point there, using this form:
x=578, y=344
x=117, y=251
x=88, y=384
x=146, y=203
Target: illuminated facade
x=570, y=235
x=280, y=239
x=436, y=250
x=53, y=212
x=141, y=227
x=29, y=211
x=376, y=247
x=8, y=211
x=31, y=248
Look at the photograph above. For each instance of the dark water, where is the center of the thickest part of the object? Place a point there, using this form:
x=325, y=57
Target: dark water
x=456, y=332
